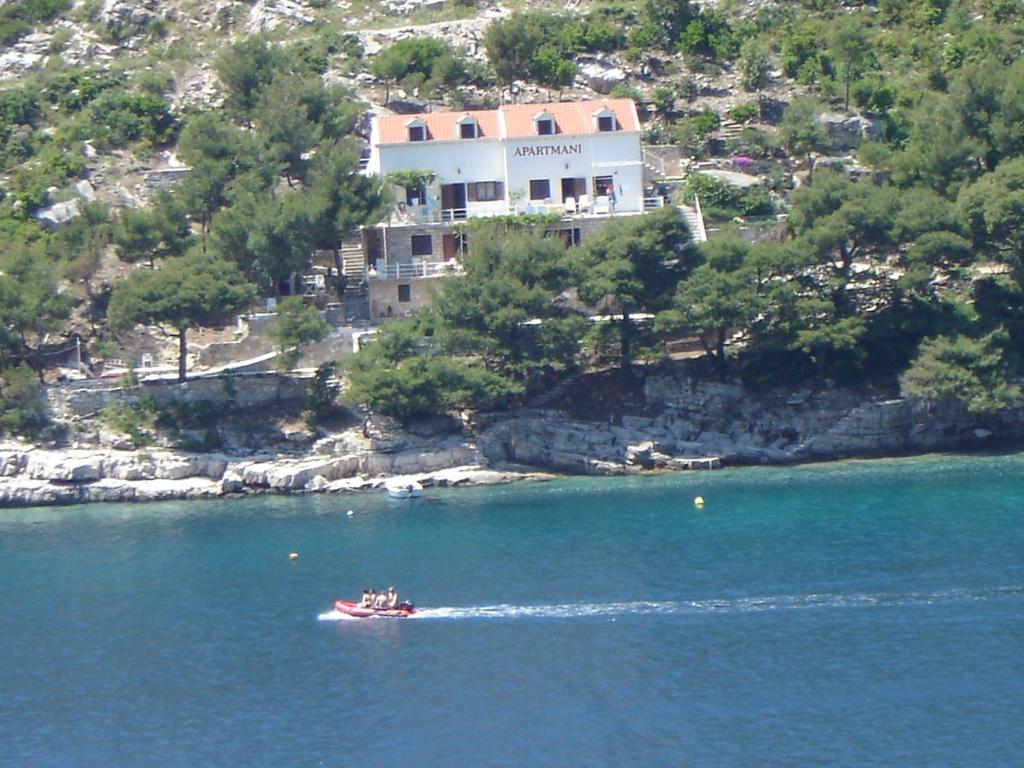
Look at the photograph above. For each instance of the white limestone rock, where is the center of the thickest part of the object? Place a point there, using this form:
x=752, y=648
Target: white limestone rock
x=58, y=214
x=232, y=482
x=601, y=77
x=64, y=467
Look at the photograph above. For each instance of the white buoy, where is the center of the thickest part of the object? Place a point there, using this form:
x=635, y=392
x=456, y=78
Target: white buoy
x=293, y=556
x=699, y=501
x=350, y=513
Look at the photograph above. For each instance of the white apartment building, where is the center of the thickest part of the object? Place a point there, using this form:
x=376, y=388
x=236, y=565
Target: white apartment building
x=581, y=160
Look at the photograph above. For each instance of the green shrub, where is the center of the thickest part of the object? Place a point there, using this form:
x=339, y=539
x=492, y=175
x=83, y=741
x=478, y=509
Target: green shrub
x=74, y=91
x=22, y=411
x=706, y=122
x=19, y=106
x=322, y=397
x=131, y=419
x=627, y=91
x=744, y=113
x=17, y=19
x=116, y=119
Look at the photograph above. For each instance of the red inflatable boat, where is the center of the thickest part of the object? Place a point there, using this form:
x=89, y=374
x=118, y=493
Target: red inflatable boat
x=354, y=609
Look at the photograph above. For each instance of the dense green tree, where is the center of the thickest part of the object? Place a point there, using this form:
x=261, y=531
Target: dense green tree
x=156, y=232
x=668, y=17
x=22, y=409
x=959, y=370
x=511, y=44
x=188, y=291
x=424, y=62
x=842, y=230
x=397, y=374
x=284, y=131
x=245, y=69
x=217, y=152
x=633, y=265
x=755, y=66
x=296, y=326
x=801, y=131
x=717, y=298
x=31, y=302
x=938, y=153
x=342, y=198
x=540, y=46
x=850, y=44
x=269, y=236
x=994, y=210
x=502, y=309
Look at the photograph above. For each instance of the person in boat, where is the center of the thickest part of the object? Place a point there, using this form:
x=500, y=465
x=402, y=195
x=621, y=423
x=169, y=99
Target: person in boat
x=367, y=601
x=392, y=597
x=381, y=601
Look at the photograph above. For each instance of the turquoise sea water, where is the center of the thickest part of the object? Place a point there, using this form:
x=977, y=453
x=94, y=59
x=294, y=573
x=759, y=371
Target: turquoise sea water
x=867, y=613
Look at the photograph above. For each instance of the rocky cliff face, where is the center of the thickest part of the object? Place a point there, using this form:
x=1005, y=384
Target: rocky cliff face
x=696, y=423
x=682, y=423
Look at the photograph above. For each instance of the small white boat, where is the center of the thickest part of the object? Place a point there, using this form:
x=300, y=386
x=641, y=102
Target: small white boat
x=403, y=489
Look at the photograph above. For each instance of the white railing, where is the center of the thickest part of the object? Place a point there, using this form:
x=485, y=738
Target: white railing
x=600, y=206
x=416, y=270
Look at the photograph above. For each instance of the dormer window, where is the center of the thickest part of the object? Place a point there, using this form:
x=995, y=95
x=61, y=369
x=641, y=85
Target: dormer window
x=417, y=130
x=544, y=123
x=468, y=127
x=604, y=121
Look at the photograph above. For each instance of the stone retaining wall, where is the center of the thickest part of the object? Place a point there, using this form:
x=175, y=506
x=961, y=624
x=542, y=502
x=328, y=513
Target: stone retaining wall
x=251, y=392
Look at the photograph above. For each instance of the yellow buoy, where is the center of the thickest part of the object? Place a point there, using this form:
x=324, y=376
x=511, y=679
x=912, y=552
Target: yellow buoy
x=293, y=556
x=699, y=501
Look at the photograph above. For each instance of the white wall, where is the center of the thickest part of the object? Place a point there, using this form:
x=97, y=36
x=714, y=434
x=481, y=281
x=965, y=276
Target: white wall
x=454, y=162
x=613, y=154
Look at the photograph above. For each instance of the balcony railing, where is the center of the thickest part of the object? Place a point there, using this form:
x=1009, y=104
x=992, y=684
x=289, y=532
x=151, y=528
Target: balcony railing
x=415, y=270
x=584, y=206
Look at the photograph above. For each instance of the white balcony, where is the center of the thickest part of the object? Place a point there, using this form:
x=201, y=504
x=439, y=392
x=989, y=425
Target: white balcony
x=415, y=271
x=571, y=208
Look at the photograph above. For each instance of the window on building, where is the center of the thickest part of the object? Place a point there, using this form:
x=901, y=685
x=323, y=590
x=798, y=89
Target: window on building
x=467, y=130
x=540, y=189
x=545, y=126
x=604, y=186
x=422, y=245
x=417, y=133
x=606, y=123
x=485, y=191
x=404, y=294
x=416, y=195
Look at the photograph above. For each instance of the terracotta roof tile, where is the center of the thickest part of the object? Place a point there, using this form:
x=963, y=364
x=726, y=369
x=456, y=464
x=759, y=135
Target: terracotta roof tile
x=441, y=126
x=515, y=120
x=570, y=116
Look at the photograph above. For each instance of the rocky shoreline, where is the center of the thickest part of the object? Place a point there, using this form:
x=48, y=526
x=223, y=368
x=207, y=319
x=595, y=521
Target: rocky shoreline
x=38, y=477
x=673, y=421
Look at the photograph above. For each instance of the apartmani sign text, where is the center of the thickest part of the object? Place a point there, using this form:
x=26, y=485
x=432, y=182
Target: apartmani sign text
x=549, y=149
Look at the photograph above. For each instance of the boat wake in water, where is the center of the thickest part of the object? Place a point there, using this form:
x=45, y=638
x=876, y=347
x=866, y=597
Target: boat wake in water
x=694, y=607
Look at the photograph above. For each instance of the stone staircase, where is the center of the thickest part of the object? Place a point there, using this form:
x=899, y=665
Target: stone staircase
x=695, y=221
x=729, y=129
x=353, y=261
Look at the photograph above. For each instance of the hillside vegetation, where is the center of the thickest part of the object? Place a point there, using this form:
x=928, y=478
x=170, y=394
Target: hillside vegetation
x=905, y=260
